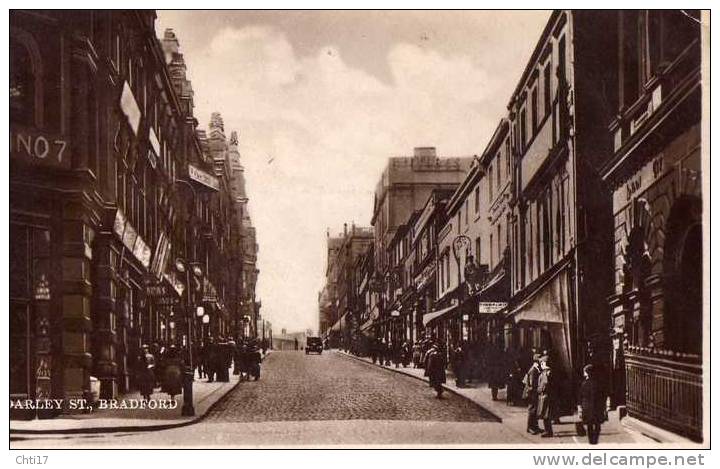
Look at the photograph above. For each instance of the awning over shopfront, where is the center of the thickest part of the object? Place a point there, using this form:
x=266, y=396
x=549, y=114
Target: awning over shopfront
x=427, y=318
x=549, y=307
x=549, y=303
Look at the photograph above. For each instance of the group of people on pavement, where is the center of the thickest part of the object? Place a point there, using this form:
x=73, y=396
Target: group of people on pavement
x=388, y=353
x=527, y=375
x=216, y=357
x=160, y=366
x=541, y=394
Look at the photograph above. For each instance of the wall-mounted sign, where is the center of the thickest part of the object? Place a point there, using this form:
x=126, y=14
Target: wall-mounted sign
x=207, y=180
x=39, y=148
x=490, y=307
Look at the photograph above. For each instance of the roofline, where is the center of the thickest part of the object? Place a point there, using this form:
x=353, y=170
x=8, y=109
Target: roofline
x=536, y=53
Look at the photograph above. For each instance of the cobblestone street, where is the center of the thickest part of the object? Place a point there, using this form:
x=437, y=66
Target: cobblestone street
x=295, y=386
x=319, y=399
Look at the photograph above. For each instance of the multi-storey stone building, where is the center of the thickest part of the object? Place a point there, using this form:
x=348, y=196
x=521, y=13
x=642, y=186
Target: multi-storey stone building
x=111, y=196
x=404, y=187
x=655, y=173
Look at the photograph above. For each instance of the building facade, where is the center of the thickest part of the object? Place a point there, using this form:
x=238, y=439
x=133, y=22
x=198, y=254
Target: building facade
x=655, y=175
x=404, y=187
x=113, y=202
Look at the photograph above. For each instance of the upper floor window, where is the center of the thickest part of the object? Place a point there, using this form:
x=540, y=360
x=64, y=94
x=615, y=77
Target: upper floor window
x=490, y=183
x=499, y=166
x=534, y=110
x=523, y=130
x=477, y=199
x=508, y=156
x=23, y=85
x=547, y=88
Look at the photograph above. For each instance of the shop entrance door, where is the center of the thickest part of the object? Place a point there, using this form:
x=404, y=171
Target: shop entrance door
x=22, y=323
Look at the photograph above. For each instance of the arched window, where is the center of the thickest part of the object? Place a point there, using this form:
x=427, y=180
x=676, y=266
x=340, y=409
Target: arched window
x=26, y=94
x=22, y=85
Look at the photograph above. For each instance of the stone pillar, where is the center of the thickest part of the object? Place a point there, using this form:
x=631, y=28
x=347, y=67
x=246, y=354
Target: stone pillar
x=76, y=293
x=104, y=317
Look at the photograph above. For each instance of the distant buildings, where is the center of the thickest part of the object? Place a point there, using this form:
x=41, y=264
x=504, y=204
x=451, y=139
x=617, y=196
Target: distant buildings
x=339, y=299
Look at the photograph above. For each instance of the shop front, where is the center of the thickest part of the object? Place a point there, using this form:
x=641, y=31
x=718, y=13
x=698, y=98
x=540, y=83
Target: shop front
x=542, y=323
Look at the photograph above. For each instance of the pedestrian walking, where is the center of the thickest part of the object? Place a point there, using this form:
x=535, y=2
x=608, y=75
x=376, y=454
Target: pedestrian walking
x=416, y=354
x=211, y=359
x=145, y=374
x=459, y=364
x=530, y=395
x=172, y=373
x=405, y=354
x=546, y=397
x=435, y=369
x=592, y=407
x=497, y=370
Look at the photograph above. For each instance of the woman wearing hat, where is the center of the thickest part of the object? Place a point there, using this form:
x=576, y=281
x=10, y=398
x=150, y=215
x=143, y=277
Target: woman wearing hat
x=146, y=373
x=592, y=404
x=435, y=369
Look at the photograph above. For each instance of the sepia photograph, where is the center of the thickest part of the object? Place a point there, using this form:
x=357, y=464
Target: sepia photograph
x=358, y=229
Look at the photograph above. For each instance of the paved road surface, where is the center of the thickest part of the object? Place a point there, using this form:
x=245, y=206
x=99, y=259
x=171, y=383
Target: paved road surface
x=320, y=400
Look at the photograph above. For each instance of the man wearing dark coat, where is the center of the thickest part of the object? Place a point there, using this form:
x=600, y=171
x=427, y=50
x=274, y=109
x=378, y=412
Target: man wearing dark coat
x=223, y=360
x=531, y=395
x=592, y=404
x=546, y=397
x=497, y=370
x=211, y=359
x=459, y=364
x=435, y=369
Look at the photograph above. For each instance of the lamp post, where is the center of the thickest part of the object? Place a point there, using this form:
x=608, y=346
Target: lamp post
x=184, y=267
x=460, y=244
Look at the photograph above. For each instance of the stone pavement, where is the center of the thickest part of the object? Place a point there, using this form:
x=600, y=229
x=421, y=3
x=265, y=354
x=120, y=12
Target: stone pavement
x=613, y=432
x=205, y=396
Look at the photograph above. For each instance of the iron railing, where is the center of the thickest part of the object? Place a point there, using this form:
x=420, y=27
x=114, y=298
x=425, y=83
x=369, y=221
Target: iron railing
x=665, y=388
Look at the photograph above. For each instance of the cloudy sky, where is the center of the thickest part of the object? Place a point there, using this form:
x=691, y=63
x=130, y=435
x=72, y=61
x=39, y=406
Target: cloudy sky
x=320, y=100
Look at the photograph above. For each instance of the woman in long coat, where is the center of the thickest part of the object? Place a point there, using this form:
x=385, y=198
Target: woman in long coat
x=146, y=373
x=592, y=404
x=435, y=369
x=497, y=370
x=172, y=374
x=546, y=397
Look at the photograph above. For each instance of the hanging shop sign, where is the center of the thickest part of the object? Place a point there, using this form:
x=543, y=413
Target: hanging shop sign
x=200, y=176
x=130, y=108
x=425, y=276
x=131, y=240
x=175, y=282
x=209, y=292
x=39, y=148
